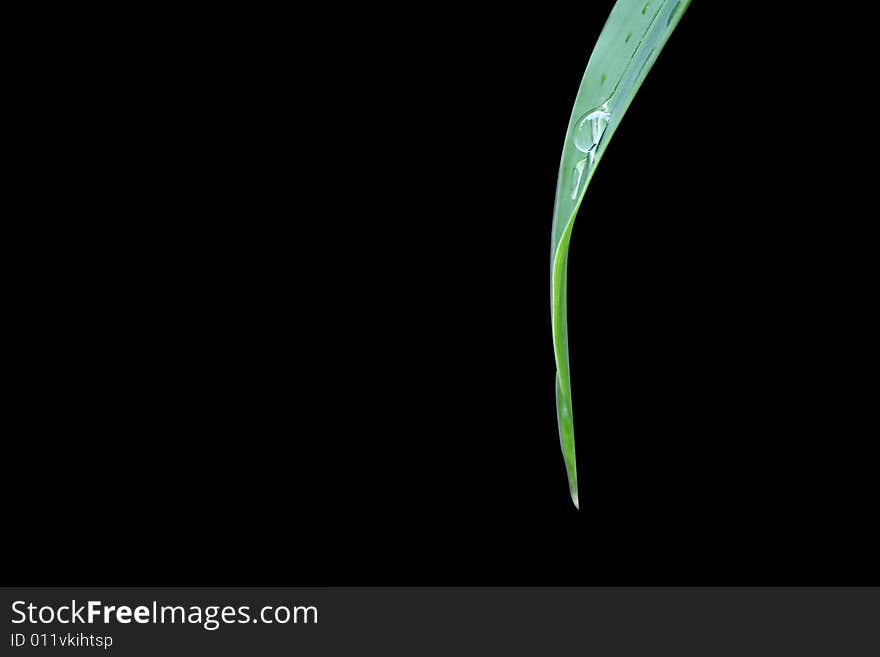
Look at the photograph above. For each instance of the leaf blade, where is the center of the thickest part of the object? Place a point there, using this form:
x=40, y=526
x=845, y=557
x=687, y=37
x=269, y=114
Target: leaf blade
x=627, y=48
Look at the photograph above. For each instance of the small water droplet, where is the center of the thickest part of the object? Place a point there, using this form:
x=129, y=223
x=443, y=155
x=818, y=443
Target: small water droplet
x=673, y=13
x=602, y=79
x=628, y=37
x=589, y=129
x=645, y=63
x=645, y=8
x=577, y=176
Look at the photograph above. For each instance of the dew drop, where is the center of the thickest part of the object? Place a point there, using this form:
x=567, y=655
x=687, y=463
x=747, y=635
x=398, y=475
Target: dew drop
x=628, y=37
x=673, y=13
x=645, y=8
x=577, y=176
x=589, y=129
x=645, y=63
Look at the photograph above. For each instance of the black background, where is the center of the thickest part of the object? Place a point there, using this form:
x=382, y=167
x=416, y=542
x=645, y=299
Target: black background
x=284, y=314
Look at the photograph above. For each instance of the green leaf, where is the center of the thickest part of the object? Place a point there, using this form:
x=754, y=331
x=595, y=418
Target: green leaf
x=632, y=38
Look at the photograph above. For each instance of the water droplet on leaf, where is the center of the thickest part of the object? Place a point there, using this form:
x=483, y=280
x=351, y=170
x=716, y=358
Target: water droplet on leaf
x=589, y=129
x=577, y=176
x=673, y=13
